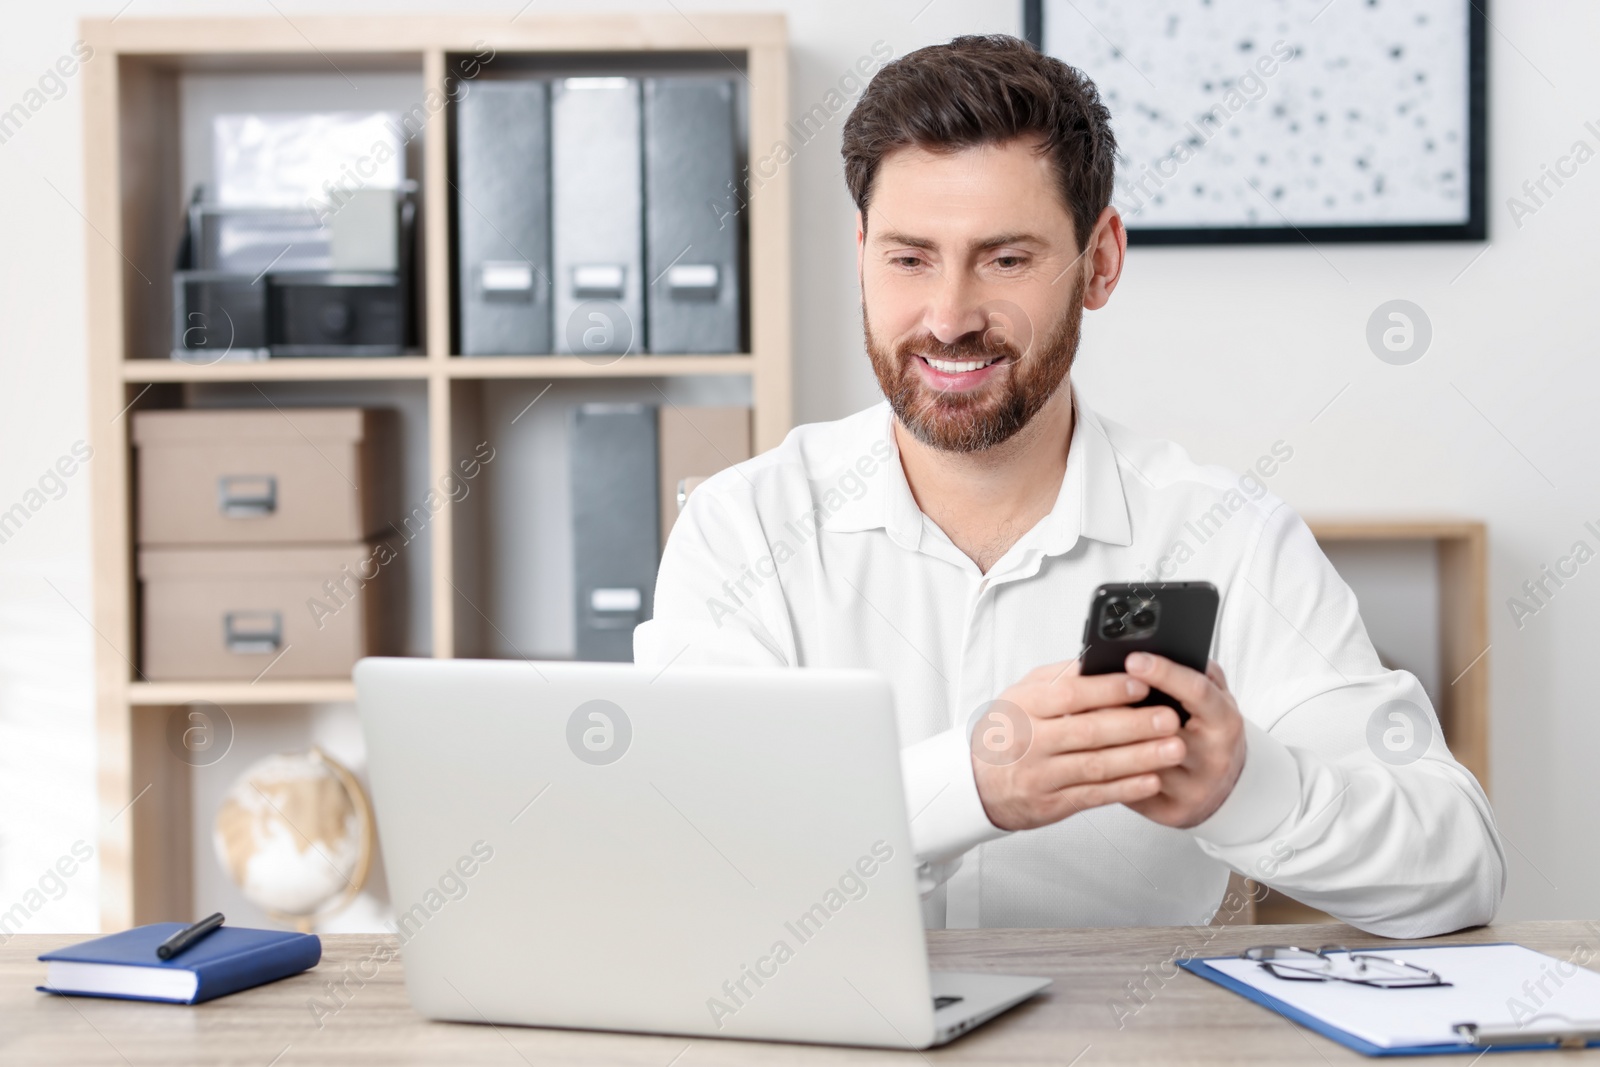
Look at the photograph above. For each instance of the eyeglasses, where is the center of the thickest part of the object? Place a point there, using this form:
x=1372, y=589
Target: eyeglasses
x=1322, y=965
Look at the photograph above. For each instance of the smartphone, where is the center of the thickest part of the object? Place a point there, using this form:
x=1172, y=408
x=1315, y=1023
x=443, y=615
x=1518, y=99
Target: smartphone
x=1171, y=619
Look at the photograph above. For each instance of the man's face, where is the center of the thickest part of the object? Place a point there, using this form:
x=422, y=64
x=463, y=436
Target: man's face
x=972, y=291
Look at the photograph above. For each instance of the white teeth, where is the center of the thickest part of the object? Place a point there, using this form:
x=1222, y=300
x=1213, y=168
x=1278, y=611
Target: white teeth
x=953, y=367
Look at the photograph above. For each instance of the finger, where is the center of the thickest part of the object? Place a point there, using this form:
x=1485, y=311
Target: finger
x=1214, y=672
x=1079, y=798
x=1191, y=688
x=1044, y=701
x=1109, y=764
x=1104, y=728
x=1051, y=673
x=1094, y=691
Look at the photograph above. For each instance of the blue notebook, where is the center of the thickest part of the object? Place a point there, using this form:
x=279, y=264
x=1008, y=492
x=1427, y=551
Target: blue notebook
x=125, y=966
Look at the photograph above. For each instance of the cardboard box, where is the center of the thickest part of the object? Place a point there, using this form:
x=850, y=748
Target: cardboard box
x=695, y=444
x=291, y=612
x=274, y=476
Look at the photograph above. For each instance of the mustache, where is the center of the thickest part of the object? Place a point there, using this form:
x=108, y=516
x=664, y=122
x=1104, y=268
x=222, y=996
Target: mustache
x=987, y=344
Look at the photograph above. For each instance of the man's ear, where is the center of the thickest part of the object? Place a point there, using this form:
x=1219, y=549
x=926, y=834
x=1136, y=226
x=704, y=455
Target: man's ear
x=1108, y=248
x=861, y=241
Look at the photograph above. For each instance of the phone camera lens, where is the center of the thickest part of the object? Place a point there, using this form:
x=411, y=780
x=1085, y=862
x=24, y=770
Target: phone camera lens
x=1112, y=628
x=1143, y=617
x=1117, y=608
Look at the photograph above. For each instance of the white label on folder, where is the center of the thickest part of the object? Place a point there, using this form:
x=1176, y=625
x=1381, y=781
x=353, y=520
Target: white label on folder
x=599, y=279
x=506, y=276
x=615, y=599
x=697, y=277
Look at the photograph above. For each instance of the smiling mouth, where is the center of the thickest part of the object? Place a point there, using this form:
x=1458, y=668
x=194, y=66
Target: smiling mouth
x=959, y=366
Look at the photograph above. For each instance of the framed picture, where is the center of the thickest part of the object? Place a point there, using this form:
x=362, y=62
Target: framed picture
x=1256, y=121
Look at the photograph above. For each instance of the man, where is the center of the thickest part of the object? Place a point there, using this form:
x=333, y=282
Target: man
x=952, y=538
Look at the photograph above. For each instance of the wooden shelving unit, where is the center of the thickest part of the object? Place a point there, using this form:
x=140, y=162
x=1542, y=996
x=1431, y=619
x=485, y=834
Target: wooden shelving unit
x=133, y=203
x=1463, y=612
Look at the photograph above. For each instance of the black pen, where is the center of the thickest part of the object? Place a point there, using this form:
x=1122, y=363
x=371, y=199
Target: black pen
x=188, y=936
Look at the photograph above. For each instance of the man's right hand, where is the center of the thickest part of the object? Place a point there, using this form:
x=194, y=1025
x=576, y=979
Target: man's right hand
x=1059, y=742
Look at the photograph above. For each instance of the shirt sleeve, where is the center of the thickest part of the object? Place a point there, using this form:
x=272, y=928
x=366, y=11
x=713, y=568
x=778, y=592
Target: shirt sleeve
x=1349, y=800
x=947, y=816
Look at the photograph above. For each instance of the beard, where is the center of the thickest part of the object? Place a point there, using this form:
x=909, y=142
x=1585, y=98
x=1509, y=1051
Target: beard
x=993, y=412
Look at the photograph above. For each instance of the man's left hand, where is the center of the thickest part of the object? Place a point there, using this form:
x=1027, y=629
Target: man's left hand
x=1213, y=738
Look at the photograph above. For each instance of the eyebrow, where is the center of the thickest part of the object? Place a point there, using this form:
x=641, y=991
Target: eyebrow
x=892, y=237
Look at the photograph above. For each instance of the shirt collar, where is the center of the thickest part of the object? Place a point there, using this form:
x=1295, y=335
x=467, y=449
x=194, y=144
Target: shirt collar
x=1092, y=502
x=887, y=503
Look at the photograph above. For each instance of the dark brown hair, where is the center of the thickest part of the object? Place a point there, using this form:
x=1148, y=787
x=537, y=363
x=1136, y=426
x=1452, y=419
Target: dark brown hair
x=986, y=90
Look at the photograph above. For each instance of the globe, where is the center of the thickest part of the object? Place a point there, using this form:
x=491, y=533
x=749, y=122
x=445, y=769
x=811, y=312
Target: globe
x=295, y=833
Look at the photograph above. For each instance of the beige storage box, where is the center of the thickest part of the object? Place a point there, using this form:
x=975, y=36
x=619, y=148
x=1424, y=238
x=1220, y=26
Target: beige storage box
x=214, y=613
x=295, y=475
x=695, y=443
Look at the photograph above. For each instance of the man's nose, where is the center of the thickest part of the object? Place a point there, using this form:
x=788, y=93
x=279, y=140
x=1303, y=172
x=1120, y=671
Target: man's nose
x=955, y=309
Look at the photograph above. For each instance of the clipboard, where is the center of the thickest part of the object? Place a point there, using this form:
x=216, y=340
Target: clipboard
x=1453, y=1016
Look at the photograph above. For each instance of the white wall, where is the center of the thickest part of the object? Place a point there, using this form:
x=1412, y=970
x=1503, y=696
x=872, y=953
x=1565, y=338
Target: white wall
x=1225, y=350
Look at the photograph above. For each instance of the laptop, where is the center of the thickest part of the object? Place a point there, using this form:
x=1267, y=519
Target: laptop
x=712, y=852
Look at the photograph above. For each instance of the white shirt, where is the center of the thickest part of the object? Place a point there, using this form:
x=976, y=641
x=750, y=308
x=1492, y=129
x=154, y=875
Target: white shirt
x=815, y=554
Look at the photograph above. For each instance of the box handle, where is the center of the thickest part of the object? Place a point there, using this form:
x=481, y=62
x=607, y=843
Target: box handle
x=247, y=496
x=685, y=487
x=252, y=632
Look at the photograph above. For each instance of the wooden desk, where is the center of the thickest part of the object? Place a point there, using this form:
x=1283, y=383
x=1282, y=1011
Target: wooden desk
x=1183, y=1019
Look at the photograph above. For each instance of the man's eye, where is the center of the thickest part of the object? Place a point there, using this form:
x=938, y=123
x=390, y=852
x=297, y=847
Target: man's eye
x=1008, y=262
x=905, y=261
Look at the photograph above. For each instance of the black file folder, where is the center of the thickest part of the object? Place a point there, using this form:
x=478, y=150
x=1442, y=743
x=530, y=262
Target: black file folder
x=691, y=226
x=503, y=217
x=615, y=525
